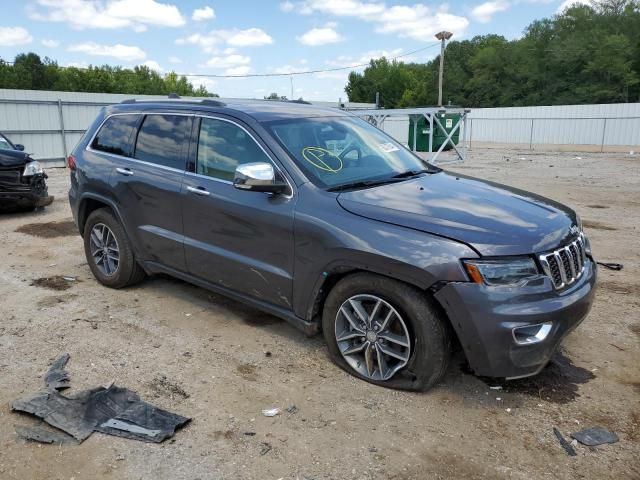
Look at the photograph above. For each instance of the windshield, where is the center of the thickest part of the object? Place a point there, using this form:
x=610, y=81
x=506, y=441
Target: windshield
x=4, y=143
x=335, y=151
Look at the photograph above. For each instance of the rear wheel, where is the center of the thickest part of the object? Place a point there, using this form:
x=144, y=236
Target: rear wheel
x=386, y=332
x=109, y=252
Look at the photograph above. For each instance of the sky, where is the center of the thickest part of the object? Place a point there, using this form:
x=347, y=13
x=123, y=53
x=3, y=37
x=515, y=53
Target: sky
x=217, y=37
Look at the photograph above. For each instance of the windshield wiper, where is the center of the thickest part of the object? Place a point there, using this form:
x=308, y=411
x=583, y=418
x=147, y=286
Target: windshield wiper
x=410, y=173
x=363, y=184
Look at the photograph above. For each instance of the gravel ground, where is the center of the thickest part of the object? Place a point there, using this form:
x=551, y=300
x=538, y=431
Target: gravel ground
x=219, y=362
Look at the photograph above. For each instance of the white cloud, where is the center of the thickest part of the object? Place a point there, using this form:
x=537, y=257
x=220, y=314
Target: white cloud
x=320, y=36
x=50, y=43
x=287, y=6
x=230, y=61
x=240, y=70
x=175, y=60
x=485, y=11
x=418, y=21
x=205, y=42
x=153, y=65
x=204, y=13
x=251, y=37
x=121, y=52
x=12, y=36
x=106, y=14
x=569, y=3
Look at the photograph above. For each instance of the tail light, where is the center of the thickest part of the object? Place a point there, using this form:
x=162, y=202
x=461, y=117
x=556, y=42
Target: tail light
x=71, y=162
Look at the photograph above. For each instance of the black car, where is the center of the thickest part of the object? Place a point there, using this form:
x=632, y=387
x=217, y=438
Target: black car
x=22, y=179
x=316, y=216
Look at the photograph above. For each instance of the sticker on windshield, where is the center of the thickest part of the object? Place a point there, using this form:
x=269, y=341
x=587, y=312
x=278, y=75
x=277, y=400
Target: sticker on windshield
x=388, y=147
x=322, y=159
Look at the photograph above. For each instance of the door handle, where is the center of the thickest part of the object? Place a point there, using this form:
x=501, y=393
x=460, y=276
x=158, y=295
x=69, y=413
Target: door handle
x=198, y=191
x=124, y=171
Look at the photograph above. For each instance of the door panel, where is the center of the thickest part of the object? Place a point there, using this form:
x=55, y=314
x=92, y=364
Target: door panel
x=148, y=188
x=149, y=198
x=240, y=240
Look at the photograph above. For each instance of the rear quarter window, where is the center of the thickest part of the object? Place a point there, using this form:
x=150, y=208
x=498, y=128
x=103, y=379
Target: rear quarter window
x=162, y=140
x=115, y=135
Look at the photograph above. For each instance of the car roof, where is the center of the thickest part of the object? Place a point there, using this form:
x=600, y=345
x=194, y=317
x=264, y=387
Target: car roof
x=260, y=110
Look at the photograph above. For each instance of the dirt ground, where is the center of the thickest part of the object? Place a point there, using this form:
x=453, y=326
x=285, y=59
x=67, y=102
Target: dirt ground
x=203, y=356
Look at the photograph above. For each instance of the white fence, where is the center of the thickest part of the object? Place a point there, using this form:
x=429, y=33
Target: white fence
x=599, y=128
x=49, y=124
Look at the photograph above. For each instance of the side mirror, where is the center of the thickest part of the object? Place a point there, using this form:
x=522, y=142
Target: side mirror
x=259, y=177
x=19, y=146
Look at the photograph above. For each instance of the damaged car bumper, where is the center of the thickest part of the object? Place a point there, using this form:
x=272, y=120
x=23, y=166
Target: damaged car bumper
x=18, y=192
x=513, y=332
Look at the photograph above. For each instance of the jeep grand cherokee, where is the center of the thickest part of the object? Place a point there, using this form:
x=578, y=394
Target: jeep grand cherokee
x=316, y=216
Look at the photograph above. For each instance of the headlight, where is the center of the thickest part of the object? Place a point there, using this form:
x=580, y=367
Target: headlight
x=501, y=272
x=32, y=168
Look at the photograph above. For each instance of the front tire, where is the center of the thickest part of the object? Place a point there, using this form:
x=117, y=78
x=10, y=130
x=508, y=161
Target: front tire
x=108, y=251
x=386, y=332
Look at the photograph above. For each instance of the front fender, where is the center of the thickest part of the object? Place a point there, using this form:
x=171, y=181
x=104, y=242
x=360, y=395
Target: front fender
x=336, y=242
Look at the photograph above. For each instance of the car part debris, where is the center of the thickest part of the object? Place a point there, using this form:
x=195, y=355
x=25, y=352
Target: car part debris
x=43, y=435
x=57, y=378
x=564, y=444
x=611, y=266
x=266, y=448
x=270, y=412
x=112, y=410
x=595, y=436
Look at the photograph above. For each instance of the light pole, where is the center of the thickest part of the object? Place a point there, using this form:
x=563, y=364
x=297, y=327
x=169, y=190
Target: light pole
x=442, y=36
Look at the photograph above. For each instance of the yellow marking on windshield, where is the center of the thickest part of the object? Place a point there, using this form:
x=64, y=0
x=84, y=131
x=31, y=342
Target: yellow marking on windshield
x=318, y=157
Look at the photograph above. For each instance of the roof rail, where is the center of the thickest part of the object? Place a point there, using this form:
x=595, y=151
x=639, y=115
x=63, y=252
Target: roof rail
x=204, y=101
x=304, y=102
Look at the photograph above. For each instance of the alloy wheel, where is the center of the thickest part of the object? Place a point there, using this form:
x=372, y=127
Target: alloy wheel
x=104, y=249
x=372, y=337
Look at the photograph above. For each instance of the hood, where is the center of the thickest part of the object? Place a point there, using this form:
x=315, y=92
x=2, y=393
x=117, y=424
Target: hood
x=492, y=218
x=13, y=158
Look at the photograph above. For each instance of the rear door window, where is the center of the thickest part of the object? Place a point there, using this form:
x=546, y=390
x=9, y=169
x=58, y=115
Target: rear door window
x=162, y=140
x=115, y=135
x=222, y=146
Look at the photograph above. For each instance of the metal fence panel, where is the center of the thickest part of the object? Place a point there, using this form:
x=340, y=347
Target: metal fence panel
x=35, y=118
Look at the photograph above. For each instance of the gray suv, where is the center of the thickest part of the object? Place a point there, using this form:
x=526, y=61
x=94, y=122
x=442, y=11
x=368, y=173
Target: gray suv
x=315, y=216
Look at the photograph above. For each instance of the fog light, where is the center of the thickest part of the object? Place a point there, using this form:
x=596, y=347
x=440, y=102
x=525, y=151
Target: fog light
x=531, y=333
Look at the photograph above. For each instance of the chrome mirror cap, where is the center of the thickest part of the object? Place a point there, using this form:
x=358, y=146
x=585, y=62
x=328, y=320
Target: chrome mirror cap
x=258, y=177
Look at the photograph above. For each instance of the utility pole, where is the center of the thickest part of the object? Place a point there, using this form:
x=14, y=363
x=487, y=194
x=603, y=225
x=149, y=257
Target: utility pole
x=442, y=36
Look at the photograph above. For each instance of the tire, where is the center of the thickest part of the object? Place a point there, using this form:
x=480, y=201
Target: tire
x=127, y=272
x=429, y=345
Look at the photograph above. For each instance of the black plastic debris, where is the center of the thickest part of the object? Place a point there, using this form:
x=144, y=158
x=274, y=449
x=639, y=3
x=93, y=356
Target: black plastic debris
x=595, y=436
x=113, y=410
x=564, y=444
x=611, y=266
x=43, y=435
x=57, y=378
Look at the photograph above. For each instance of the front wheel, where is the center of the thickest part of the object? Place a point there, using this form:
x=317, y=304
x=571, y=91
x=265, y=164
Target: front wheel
x=386, y=332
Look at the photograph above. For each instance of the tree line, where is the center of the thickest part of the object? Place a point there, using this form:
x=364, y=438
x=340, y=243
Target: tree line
x=28, y=71
x=587, y=54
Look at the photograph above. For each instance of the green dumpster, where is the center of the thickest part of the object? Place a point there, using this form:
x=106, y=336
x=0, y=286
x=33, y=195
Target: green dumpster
x=448, y=121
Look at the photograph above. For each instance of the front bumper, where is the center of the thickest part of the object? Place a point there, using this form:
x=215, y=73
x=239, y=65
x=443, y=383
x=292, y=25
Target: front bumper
x=31, y=192
x=484, y=318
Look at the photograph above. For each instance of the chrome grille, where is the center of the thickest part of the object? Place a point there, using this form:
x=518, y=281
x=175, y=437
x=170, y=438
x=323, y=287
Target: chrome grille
x=565, y=265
